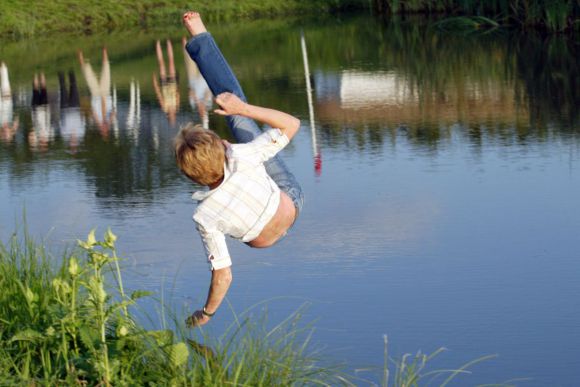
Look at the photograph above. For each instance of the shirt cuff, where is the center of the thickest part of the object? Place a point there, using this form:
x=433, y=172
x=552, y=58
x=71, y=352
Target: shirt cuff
x=278, y=137
x=219, y=263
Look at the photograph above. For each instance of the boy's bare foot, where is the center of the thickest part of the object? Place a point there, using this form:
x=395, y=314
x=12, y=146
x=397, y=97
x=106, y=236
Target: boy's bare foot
x=193, y=23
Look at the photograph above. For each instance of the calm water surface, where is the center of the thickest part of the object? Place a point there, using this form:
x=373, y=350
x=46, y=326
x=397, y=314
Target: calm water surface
x=441, y=171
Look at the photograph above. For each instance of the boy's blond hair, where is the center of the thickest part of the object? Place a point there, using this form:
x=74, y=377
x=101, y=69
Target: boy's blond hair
x=200, y=154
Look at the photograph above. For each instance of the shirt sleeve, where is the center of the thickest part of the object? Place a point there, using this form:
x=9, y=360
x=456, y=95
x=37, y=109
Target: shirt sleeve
x=216, y=249
x=263, y=147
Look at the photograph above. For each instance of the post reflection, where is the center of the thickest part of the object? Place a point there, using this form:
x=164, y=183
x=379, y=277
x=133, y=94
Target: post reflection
x=134, y=113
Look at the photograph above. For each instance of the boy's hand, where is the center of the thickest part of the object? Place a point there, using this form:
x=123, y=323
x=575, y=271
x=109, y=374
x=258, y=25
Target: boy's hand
x=230, y=104
x=197, y=319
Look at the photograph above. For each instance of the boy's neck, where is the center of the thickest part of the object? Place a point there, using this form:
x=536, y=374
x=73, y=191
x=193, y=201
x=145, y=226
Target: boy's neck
x=217, y=183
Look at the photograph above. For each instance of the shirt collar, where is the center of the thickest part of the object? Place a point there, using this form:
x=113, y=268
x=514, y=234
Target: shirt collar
x=202, y=194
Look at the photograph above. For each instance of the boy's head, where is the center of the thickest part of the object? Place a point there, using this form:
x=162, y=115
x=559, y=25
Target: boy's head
x=200, y=154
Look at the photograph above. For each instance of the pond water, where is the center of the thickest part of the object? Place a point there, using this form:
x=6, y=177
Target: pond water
x=441, y=174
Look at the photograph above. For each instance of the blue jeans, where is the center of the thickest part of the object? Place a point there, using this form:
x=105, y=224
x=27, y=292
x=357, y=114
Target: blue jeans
x=220, y=78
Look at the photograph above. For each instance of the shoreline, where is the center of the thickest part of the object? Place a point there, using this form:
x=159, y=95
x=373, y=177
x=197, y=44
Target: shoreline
x=24, y=19
x=21, y=19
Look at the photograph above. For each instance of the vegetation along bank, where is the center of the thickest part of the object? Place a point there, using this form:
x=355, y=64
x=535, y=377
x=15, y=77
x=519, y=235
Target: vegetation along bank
x=27, y=18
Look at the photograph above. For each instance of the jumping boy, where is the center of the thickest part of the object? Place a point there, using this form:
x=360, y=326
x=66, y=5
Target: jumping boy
x=252, y=196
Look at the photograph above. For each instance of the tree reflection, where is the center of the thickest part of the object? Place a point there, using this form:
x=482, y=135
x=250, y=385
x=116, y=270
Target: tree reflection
x=429, y=83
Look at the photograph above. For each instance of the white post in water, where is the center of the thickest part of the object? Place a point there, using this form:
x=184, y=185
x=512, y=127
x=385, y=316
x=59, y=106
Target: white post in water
x=315, y=150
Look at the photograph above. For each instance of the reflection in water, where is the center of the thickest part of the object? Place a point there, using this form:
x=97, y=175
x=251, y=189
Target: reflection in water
x=7, y=122
x=103, y=105
x=72, y=125
x=356, y=89
x=375, y=85
x=168, y=93
x=42, y=130
x=315, y=147
x=451, y=175
x=392, y=100
x=550, y=74
x=200, y=97
x=430, y=85
x=134, y=114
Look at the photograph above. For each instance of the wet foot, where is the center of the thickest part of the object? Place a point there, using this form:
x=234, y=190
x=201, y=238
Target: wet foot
x=193, y=23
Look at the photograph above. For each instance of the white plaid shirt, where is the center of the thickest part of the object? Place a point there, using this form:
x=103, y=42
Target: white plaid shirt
x=244, y=202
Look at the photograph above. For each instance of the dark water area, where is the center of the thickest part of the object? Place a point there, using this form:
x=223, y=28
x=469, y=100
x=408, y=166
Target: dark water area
x=441, y=174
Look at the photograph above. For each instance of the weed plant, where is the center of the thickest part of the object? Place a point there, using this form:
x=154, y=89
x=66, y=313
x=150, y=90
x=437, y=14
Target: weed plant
x=69, y=321
x=63, y=323
x=28, y=18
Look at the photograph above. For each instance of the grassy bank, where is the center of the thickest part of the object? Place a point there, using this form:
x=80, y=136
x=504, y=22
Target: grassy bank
x=70, y=321
x=62, y=323
x=22, y=18
x=28, y=18
x=550, y=15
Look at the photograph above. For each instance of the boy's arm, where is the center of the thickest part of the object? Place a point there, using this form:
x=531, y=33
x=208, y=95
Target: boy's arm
x=221, y=273
x=232, y=105
x=220, y=283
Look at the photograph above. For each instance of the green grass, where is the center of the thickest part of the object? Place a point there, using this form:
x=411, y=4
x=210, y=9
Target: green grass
x=69, y=321
x=27, y=18
x=63, y=323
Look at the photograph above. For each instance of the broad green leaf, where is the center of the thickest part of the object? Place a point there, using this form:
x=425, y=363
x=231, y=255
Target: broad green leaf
x=73, y=267
x=28, y=335
x=178, y=354
x=91, y=240
x=29, y=294
x=110, y=238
